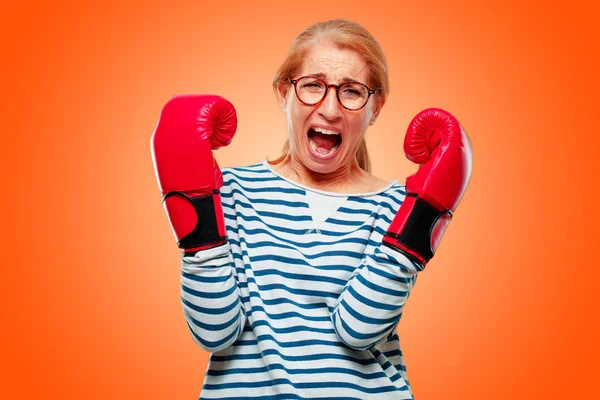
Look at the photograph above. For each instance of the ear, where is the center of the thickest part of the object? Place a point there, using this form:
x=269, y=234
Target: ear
x=377, y=108
x=282, y=91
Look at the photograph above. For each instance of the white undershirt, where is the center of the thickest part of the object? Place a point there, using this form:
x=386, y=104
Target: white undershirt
x=323, y=206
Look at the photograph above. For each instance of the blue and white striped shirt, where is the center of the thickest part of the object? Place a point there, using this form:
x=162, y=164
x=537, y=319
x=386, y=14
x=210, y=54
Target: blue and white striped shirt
x=291, y=308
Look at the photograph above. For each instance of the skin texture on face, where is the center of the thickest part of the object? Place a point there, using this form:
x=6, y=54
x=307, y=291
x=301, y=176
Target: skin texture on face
x=336, y=66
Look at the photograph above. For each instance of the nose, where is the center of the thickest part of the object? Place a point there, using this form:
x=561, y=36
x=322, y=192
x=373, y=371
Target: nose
x=330, y=108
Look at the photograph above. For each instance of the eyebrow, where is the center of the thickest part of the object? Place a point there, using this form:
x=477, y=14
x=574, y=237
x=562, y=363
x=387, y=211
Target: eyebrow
x=322, y=75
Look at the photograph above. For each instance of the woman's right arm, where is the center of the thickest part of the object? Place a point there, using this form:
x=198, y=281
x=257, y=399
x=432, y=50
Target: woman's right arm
x=189, y=128
x=211, y=299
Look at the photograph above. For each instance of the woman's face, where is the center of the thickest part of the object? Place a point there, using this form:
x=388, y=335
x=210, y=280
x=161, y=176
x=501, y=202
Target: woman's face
x=316, y=149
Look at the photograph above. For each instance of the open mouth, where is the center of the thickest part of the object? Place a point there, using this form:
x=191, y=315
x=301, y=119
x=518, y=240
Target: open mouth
x=324, y=142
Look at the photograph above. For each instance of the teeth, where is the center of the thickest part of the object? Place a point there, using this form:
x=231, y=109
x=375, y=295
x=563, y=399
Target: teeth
x=321, y=150
x=325, y=131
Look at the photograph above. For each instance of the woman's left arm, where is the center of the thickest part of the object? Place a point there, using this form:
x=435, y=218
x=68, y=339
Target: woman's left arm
x=371, y=304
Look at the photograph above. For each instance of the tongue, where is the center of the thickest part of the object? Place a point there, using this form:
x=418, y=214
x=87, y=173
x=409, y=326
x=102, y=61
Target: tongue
x=324, y=141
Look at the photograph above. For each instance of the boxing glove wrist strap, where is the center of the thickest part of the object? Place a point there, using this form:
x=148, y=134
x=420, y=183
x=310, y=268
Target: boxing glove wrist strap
x=416, y=237
x=206, y=232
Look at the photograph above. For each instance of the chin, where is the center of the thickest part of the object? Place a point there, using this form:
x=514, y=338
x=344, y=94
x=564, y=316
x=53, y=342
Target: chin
x=321, y=167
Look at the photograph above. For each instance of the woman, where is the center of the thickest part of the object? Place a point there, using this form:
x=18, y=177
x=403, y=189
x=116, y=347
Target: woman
x=336, y=52
x=295, y=294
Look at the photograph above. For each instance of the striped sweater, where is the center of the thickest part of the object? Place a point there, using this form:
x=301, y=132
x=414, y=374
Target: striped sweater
x=296, y=306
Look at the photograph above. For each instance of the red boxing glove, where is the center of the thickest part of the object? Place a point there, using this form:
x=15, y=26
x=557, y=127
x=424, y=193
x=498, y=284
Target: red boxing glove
x=189, y=127
x=437, y=142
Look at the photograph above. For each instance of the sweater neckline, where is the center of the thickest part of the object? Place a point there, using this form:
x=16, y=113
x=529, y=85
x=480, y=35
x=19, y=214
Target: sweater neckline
x=324, y=192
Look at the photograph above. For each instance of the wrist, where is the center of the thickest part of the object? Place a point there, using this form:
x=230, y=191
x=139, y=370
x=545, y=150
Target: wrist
x=417, y=229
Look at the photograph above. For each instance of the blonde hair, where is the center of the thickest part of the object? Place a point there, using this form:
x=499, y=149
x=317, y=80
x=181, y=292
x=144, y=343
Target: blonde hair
x=345, y=35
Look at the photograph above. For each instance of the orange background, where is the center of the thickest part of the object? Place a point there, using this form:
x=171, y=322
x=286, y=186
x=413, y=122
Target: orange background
x=89, y=292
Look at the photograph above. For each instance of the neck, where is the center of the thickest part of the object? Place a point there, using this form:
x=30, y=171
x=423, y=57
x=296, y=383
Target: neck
x=341, y=180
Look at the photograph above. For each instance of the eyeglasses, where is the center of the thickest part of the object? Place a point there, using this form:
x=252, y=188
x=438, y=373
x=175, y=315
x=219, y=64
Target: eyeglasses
x=351, y=95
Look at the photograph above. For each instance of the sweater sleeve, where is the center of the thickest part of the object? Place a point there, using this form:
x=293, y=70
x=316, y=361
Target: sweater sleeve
x=370, y=306
x=211, y=299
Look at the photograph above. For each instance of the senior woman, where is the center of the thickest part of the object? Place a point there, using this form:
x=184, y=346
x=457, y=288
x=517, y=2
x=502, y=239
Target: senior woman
x=295, y=271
